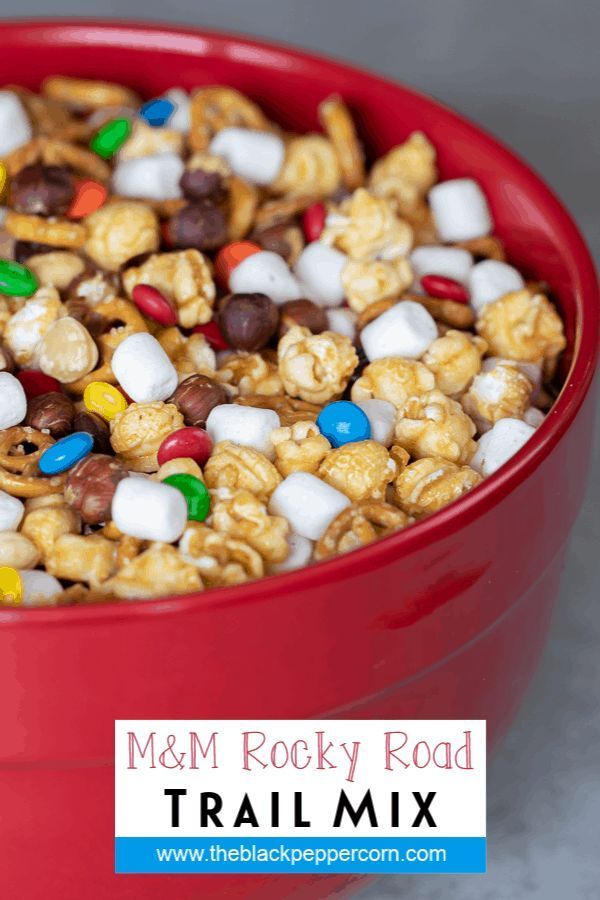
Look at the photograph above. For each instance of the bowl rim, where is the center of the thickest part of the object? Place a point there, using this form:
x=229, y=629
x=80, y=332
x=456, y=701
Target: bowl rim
x=453, y=517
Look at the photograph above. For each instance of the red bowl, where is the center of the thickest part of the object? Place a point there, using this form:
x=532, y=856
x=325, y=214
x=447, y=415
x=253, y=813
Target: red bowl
x=444, y=620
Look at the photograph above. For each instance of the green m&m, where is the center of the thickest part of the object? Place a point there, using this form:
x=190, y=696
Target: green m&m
x=111, y=137
x=16, y=280
x=194, y=491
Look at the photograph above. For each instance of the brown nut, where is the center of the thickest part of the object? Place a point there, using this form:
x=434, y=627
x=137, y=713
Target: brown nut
x=52, y=412
x=97, y=427
x=91, y=485
x=248, y=321
x=196, y=396
x=197, y=184
x=302, y=312
x=201, y=225
x=42, y=190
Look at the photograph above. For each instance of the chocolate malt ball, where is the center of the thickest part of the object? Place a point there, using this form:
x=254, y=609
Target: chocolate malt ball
x=196, y=397
x=201, y=225
x=248, y=321
x=40, y=190
x=52, y=412
x=197, y=184
x=302, y=312
x=97, y=427
x=91, y=485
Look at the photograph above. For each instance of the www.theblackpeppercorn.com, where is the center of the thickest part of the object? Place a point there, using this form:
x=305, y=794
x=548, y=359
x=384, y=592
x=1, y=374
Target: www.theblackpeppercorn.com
x=252, y=807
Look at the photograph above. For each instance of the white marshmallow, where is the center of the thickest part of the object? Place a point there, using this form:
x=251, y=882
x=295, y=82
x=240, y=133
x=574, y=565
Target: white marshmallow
x=491, y=279
x=382, y=419
x=11, y=512
x=406, y=330
x=256, y=156
x=149, y=510
x=451, y=262
x=179, y=120
x=13, y=402
x=39, y=588
x=143, y=369
x=460, y=210
x=319, y=269
x=149, y=177
x=265, y=273
x=342, y=321
x=248, y=426
x=500, y=443
x=15, y=127
x=301, y=551
x=308, y=504
x=534, y=417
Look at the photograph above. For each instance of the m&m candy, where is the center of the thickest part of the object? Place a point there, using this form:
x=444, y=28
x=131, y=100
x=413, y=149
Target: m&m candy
x=157, y=112
x=3, y=177
x=65, y=453
x=11, y=587
x=35, y=383
x=193, y=443
x=444, y=288
x=153, y=304
x=343, y=422
x=16, y=280
x=313, y=221
x=213, y=335
x=104, y=399
x=195, y=493
x=89, y=197
x=231, y=256
x=111, y=137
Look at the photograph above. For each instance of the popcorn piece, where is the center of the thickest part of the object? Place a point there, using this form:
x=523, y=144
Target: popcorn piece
x=149, y=510
x=119, y=231
x=246, y=426
x=429, y=484
x=143, y=369
x=39, y=588
x=149, y=177
x=319, y=268
x=435, y=425
x=299, y=448
x=369, y=281
x=489, y=280
x=499, y=444
x=251, y=373
x=460, y=210
x=89, y=558
x=367, y=227
x=15, y=127
x=299, y=555
x=17, y=551
x=256, y=156
x=308, y=504
x=359, y=525
x=503, y=392
x=184, y=277
x=382, y=419
x=13, y=402
x=450, y=262
x=405, y=330
x=233, y=466
x=310, y=168
x=361, y=470
x=158, y=571
x=67, y=351
x=137, y=433
x=315, y=367
x=58, y=268
x=265, y=273
x=26, y=328
x=523, y=327
x=405, y=174
x=455, y=359
x=44, y=525
x=190, y=356
x=342, y=321
x=220, y=559
x=241, y=515
x=393, y=379
x=11, y=509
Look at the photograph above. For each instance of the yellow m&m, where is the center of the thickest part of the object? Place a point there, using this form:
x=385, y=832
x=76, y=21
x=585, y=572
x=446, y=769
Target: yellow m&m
x=11, y=587
x=3, y=178
x=104, y=399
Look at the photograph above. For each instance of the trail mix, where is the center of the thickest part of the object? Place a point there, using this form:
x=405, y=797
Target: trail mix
x=228, y=351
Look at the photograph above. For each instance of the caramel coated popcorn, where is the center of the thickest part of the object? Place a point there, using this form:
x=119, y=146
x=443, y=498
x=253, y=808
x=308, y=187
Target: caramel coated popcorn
x=241, y=515
x=366, y=227
x=429, y=484
x=393, y=379
x=137, y=433
x=315, y=367
x=184, y=276
x=435, y=425
x=455, y=359
x=232, y=466
x=523, y=326
x=120, y=231
x=504, y=392
x=362, y=471
x=299, y=447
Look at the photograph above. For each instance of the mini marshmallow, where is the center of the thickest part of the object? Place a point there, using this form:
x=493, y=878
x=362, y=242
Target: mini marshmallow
x=265, y=273
x=490, y=279
x=149, y=177
x=382, y=419
x=534, y=417
x=405, y=330
x=308, y=504
x=451, y=262
x=342, y=321
x=149, y=510
x=39, y=588
x=500, y=443
x=301, y=551
x=256, y=156
x=179, y=120
x=248, y=426
x=11, y=512
x=13, y=402
x=460, y=210
x=15, y=127
x=319, y=269
x=143, y=369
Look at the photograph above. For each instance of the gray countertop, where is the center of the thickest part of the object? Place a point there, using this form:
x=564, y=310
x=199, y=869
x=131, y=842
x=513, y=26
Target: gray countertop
x=528, y=70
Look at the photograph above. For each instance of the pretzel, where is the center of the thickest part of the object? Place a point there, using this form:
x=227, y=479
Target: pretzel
x=19, y=473
x=216, y=107
x=337, y=122
x=242, y=203
x=358, y=525
x=53, y=232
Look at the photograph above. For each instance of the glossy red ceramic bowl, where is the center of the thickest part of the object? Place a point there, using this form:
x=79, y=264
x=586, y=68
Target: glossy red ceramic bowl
x=444, y=620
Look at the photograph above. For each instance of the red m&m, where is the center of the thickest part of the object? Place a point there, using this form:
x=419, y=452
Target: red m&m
x=153, y=304
x=213, y=335
x=35, y=383
x=313, y=221
x=444, y=288
x=192, y=443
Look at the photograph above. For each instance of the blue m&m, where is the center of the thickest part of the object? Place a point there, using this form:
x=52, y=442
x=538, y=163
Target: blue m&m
x=344, y=422
x=157, y=112
x=65, y=453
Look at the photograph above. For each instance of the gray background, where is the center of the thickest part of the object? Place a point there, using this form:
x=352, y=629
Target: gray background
x=528, y=70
